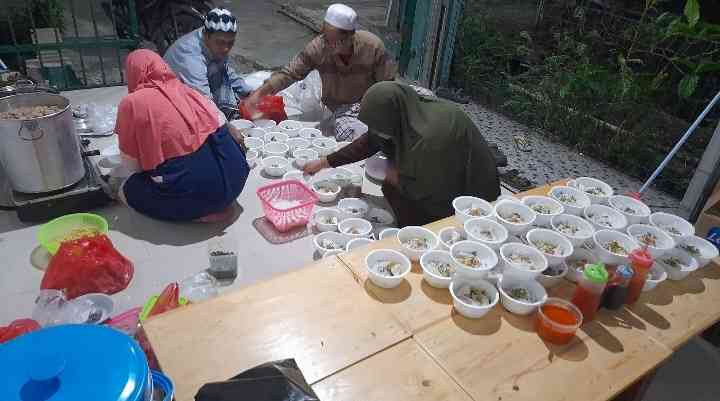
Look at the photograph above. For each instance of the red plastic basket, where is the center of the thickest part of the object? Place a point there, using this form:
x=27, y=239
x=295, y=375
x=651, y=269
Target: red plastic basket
x=287, y=204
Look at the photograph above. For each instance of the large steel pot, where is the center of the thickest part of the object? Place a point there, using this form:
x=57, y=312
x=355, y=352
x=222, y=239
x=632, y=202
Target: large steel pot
x=41, y=154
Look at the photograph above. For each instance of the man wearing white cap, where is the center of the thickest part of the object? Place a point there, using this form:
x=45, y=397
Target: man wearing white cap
x=200, y=60
x=349, y=62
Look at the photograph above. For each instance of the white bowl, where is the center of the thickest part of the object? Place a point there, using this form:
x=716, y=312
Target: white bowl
x=275, y=166
x=548, y=206
x=355, y=228
x=634, y=210
x=271, y=137
x=324, y=146
x=699, y=248
x=656, y=276
x=449, y=236
x=511, y=268
x=353, y=207
x=674, y=273
x=585, y=229
x=605, y=218
x=310, y=133
x=518, y=307
x=598, y=191
x=576, y=262
x=388, y=233
x=380, y=255
x=290, y=128
x=565, y=247
x=297, y=143
x=322, y=214
x=333, y=253
x=676, y=226
x=340, y=176
x=573, y=200
x=663, y=241
x=265, y=124
x=326, y=197
x=322, y=245
x=479, y=229
x=463, y=204
x=410, y=232
x=251, y=157
x=380, y=217
x=275, y=149
x=357, y=243
x=254, y=143
x=295, y=175
x=550, y=281
x=303, y=156
x=603, y=237
x=472, y=311
x=242, y=125
x=487, y=256
x=505, y=208
x=255, y=133
x=432, y=277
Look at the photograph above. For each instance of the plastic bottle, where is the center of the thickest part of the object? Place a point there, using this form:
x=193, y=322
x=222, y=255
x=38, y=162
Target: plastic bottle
x=589, y=291
x=617, y=288
x=641, y=264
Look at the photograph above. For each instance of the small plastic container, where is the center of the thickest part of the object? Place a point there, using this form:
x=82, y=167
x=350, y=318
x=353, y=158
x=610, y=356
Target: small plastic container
x=616, y=289
x=287, y=204
x=588, y=294
x=557, y=321
x=641, y=262
x=222, y=254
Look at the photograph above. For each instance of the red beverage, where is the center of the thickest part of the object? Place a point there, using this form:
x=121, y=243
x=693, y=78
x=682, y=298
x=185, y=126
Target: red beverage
x=589, y=290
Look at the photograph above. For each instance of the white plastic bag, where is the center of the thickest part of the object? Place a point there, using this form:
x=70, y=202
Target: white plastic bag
x=256, y=79
x=306, y=96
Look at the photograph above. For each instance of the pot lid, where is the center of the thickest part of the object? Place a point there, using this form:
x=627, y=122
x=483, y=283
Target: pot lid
x=73, y=362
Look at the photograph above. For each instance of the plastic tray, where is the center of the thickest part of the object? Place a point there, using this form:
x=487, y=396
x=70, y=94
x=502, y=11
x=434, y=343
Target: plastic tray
x=299, y=198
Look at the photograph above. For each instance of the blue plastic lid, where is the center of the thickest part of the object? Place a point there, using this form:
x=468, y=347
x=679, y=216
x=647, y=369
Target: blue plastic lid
x=72, y=363
x=626, y=272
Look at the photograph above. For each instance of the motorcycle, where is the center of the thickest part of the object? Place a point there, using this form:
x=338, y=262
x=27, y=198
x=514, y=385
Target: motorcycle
x=161, y=22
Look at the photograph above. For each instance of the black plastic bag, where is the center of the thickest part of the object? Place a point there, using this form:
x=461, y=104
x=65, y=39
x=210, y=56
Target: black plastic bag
x=272, y=381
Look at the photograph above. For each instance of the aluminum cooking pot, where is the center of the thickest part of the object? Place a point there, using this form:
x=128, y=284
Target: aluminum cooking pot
x=40, y=154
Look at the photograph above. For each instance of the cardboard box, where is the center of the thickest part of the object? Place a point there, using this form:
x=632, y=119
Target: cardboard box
x=708, y=224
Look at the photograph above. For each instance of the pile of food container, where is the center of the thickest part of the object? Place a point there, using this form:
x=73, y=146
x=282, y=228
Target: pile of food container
x=613, y=246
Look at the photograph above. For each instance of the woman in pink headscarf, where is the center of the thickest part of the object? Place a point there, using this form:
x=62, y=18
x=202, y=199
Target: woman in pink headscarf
x=188, y=165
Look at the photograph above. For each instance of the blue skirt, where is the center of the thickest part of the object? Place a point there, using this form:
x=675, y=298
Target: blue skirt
x=189, y=187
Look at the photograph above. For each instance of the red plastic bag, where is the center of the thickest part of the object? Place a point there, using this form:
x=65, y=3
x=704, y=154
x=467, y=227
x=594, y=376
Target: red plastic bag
x=17, y=328
x=169, y=299
x=86, y=265
x=269, y=107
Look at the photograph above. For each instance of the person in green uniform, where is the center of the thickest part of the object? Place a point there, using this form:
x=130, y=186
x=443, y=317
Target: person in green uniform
x=437, y=153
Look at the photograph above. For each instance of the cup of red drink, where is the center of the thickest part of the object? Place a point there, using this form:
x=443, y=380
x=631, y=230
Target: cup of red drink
x=558, y=321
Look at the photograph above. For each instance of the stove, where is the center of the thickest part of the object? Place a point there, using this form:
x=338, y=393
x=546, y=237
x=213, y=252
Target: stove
x=85, y=195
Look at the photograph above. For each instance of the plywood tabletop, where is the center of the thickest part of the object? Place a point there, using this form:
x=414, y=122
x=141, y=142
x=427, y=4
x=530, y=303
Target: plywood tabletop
x=500, y=357
x=403, y=372
x=316, y=315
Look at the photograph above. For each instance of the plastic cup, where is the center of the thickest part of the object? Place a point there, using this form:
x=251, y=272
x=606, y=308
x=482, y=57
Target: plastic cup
x=558, y=321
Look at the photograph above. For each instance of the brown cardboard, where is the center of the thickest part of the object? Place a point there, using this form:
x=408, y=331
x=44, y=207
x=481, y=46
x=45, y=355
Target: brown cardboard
x=714, y=198
x=708, y=219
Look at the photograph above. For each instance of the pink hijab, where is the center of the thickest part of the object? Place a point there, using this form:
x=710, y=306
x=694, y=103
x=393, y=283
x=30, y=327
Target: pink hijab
x=161, y=118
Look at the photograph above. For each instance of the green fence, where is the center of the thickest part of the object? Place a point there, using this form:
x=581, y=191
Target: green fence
x=70, y=44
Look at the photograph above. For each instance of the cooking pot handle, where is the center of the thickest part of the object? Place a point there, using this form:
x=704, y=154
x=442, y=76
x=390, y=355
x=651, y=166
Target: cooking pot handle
x=32, y=129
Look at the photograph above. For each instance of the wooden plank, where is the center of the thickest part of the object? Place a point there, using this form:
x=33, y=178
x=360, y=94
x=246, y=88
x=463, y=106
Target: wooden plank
x=407, y=372
x=675, y=311
x=315, y=315
x=500, y=357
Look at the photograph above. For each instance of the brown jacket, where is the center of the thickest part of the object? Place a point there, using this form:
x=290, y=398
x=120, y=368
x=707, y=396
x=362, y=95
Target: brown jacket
x=341, y=83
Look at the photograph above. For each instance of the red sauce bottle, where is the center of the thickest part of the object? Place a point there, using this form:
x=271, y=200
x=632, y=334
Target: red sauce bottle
x=641, y=264
x=589, y=290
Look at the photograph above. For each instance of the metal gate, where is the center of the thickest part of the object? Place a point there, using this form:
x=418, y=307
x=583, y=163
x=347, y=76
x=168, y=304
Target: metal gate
x=69, y=44
x=429, y=28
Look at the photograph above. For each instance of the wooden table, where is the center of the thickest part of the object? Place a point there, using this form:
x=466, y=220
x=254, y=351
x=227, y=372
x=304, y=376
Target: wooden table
x=354, y=340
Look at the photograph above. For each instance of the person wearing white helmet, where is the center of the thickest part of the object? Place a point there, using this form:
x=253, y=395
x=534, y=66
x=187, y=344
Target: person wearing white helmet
x=200, y=60
x=349, y=61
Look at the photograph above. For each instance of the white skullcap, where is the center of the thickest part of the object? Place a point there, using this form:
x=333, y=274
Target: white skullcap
x=342, y=17
x=220, y=20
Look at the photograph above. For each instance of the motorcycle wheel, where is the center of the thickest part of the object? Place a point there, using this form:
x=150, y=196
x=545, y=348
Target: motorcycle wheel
x=166, y=34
